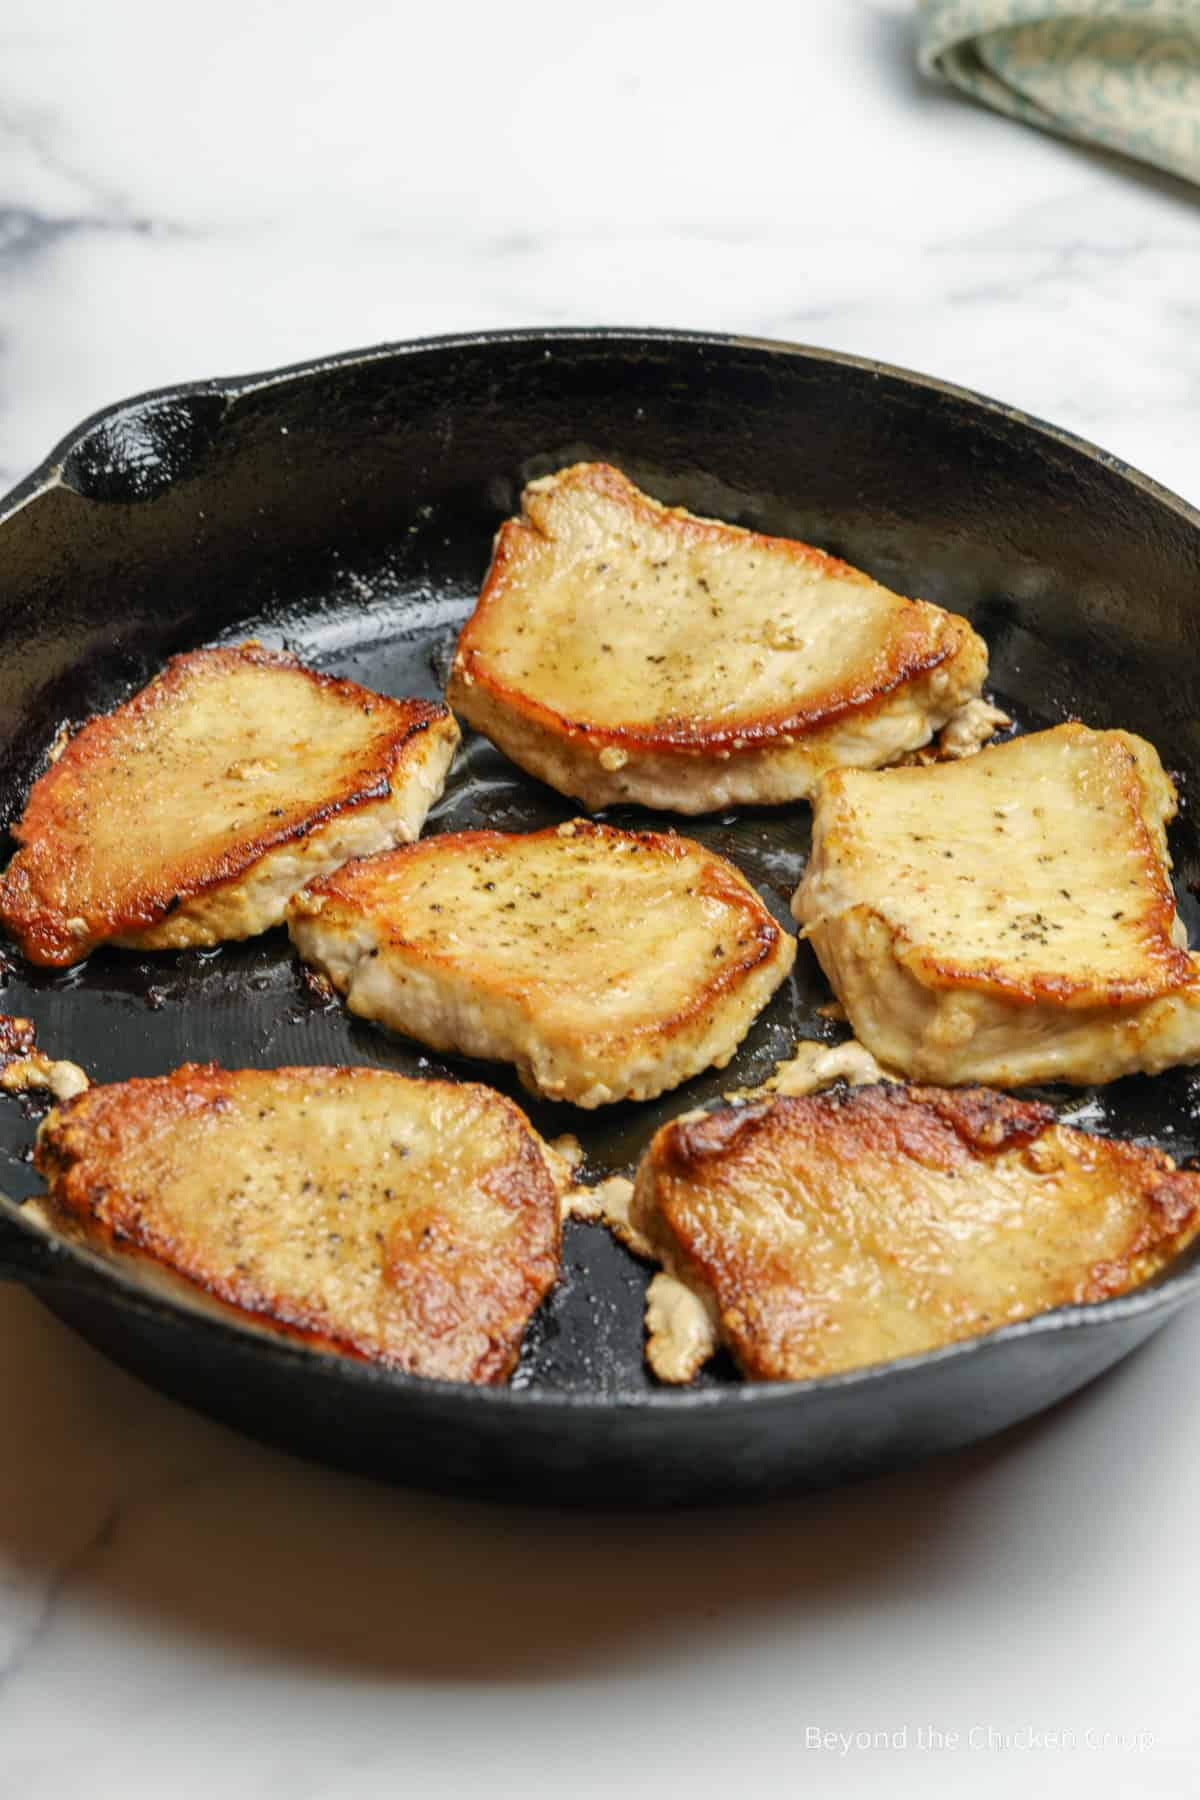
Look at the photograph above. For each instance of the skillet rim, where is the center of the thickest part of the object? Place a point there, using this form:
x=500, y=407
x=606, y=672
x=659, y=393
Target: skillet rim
x=31, y=1255
x=50, y=471
x=85, y=1269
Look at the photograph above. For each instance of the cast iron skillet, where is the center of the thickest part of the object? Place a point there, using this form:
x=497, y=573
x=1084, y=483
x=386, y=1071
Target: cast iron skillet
x=346, y=509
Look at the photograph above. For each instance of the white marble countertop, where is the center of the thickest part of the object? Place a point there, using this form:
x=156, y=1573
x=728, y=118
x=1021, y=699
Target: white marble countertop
x=197, y=191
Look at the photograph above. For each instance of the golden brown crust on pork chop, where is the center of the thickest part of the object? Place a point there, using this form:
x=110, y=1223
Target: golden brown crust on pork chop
x=859, y=1225
x=192, y=812
x=625, y=650
x=606, y=964
x=410, y=1223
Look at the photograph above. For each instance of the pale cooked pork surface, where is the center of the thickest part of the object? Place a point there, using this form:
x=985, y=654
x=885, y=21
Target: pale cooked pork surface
x=1009, y=918
x=626, y=651
x=411, y=1223
x=607, y=965
x=194, y=811
x=871, y=1223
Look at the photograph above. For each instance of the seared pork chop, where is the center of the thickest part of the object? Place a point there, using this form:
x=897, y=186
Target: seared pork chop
x=412, y=1223
x=876, y=1222
x=607, y=965
x=194, y=811
x=627, y=651
x=1006, y=919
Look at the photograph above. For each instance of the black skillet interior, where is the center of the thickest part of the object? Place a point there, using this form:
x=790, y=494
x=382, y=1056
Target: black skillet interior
x=346, y=511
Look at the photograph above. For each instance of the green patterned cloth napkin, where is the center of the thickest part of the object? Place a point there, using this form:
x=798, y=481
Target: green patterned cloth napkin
x=1121, y=73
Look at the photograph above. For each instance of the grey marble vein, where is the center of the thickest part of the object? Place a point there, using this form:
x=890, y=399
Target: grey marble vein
x=29, y=1625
